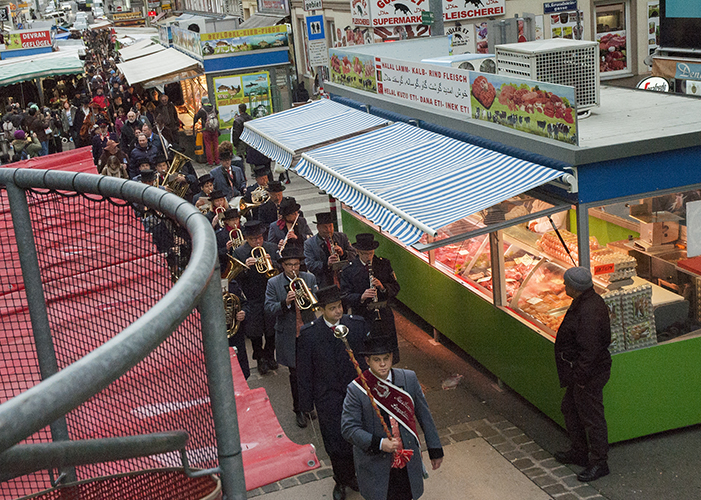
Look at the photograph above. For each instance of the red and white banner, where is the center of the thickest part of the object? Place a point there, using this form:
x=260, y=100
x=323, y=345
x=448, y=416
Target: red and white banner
x=458, y=10
x=360, y=12
x=397, y=12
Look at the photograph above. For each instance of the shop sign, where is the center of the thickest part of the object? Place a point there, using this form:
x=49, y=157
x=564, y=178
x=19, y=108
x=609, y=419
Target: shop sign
x=23, y=5
x=553, y=7
x=538, y=108
x=688, y=71
x=273, y=6
x=360, y=12
x=252, y=89
x=462, y=39
x=166, y=6
x=5, y=14
x=318, y=53
x=397, y=12
x=28, y=40
x=187, y=41
x=446, y=90
x=246, y=40
x=127, y=16
x=310, y=5
x=458, y=10
x=654, y=83
x=353, y=70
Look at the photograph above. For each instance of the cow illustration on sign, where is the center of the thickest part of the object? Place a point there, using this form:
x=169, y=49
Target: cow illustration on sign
x=402, y=8
x=476, y=3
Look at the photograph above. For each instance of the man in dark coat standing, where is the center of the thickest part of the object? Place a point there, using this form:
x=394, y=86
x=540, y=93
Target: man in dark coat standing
x=371, y=300
x=258, y=327
x=324, y=371
x=281, y=305
x=584, y=366
x=318, y=255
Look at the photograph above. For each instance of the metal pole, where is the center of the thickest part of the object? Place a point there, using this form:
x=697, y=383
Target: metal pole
x=583, y=234
x=31, y=275
x=221, y=391
x=436, y=6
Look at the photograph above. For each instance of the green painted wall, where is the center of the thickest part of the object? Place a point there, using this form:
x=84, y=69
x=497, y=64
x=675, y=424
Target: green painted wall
x=651, y=390
x=605, y=232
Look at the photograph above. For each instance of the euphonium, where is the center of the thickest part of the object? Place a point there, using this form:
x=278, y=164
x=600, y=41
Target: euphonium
x=170, y=179
x=258, y=196
x=244, y=207
x=232, y=305
x=236, y=238
x=264, y=265
x=233, y=268
x=303, y=295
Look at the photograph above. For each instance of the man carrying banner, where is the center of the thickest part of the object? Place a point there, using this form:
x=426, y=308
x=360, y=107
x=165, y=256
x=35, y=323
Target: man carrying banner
x=388, y=467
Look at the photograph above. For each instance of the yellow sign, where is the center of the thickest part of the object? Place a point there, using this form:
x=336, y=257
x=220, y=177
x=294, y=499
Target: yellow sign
x=126, y=16
x=241, y=33
x=23, y=5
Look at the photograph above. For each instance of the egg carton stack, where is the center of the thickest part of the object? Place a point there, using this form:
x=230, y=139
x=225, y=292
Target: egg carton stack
x=618, y=338
x=616, y=269
x=632, y=318
x=551, y=245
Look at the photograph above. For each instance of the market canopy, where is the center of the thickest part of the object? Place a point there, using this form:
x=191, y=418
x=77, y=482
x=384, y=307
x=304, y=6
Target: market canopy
x=383, y=176
x=261, y=20
x=281, y=136
x=169, y=65
x=140, y=49
x=20, y=69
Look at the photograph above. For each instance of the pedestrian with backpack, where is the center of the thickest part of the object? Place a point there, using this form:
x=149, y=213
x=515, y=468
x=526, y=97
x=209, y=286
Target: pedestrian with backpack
x=210, y=130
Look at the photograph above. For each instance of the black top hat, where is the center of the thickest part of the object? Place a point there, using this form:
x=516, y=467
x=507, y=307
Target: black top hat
x=252, y=228
x=217, y=193
x=232, y=213
x=324, y=218
x=148, y=175
x=102, y=121
x=377, y=345
x=328, y=295
x=289, y=206
x=204, y=179
x=290, y=253
x=160, y=159
x=261, y=170
x=275, y=187
x=365, y=241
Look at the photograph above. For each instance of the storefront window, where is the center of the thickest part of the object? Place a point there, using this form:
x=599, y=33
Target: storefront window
x=612, y=31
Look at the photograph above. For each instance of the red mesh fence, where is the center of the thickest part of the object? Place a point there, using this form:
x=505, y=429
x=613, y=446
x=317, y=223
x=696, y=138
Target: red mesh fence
x=101, y=269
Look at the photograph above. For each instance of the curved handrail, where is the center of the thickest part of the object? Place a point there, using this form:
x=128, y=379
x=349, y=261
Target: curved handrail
x=52, y=398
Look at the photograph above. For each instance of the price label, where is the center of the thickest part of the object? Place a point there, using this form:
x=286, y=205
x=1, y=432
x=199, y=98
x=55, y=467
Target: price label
x=604, y=269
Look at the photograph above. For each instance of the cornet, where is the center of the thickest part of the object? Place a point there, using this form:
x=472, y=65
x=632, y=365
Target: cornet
x=303, y=295
x=236, y=238
x=264, y=265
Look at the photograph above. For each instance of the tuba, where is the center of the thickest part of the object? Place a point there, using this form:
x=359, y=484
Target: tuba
x=236, y=238
x=232, y=306
x=170, y=179
x=303, y=295
x=264, y=264
x=234, y=267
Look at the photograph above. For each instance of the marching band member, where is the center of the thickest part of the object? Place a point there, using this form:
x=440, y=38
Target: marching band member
x=269, y=211
x=325, y=249
x=291, y=229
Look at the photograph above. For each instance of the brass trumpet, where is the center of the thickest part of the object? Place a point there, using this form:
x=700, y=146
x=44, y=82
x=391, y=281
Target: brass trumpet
x=303, y=295
x=264, y=264
x=236, y=238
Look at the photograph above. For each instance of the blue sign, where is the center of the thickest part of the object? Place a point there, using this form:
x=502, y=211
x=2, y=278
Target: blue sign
x=315, y=28
x=688, y=71
x=553, y=7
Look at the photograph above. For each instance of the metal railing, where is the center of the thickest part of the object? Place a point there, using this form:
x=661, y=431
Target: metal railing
x=60, y=392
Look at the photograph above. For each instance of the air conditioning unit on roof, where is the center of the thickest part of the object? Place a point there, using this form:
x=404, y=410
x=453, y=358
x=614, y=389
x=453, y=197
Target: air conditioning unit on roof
x=557, y=60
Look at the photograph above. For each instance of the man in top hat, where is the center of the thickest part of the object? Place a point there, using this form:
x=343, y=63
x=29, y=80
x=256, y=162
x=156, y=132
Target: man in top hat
x=229, y=177
x=324, y=252
x=298, y=232
x=262, y=175
x=281, y=305
x=206, y=187
x=161, y=167
x=231, y=220
x=371, y=300
x=269, y=211
x=258, y=326
x=218, y=201
x=583, y=365
x=324, y=371
x=393, y=389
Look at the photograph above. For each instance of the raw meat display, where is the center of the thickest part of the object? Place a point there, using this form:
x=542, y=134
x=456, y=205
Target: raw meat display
x=544, y=297
x=550, y=245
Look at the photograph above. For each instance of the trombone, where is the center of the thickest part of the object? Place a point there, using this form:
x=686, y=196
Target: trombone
x=303, y=295
x=264, y=264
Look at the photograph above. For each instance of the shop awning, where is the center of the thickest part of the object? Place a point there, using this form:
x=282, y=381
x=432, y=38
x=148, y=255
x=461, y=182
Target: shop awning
x=383, y=176
x=259, y=20
x=21, y=69
x=140, y=49
x=170, y=65
x=281, y=136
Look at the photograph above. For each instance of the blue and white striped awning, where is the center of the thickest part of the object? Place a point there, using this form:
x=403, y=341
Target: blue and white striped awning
x=282, y=135
x=411, y=181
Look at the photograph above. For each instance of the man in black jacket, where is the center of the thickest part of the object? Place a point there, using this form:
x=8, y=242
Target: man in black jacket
x=584, y=366
x=324, y=371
